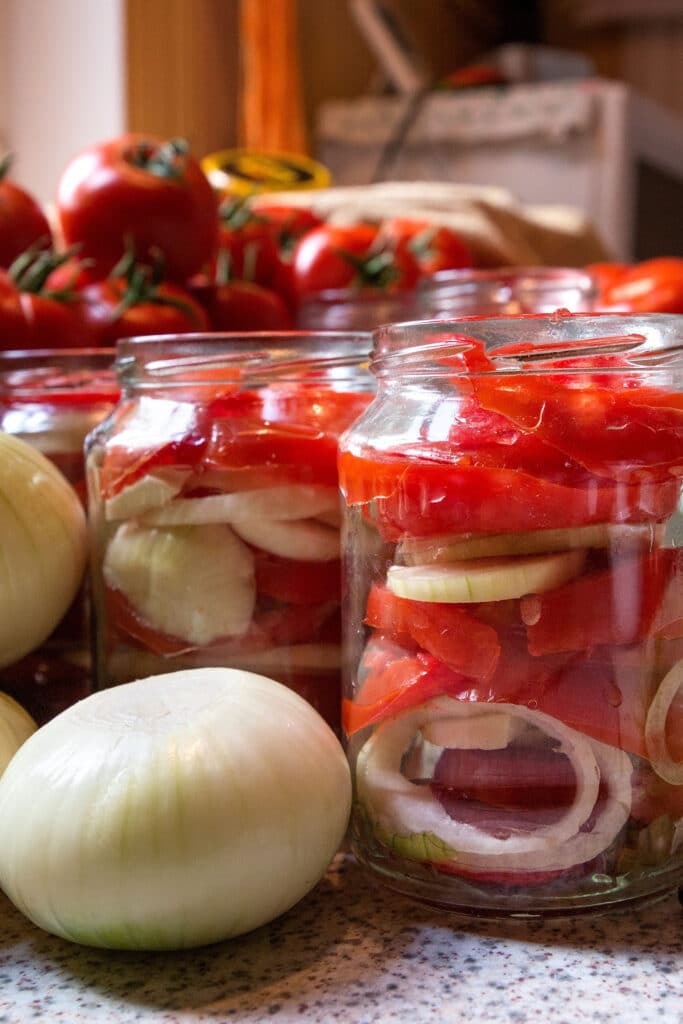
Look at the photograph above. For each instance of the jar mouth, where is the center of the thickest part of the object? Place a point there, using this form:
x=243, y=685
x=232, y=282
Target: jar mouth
x=538, y=343
x=56, y=374
x=252, y=358
x=526, y=278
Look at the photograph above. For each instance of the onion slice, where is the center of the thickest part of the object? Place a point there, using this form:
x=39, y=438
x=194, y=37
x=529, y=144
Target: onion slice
x=404, y=814
x=655, y=727
x=296, y=501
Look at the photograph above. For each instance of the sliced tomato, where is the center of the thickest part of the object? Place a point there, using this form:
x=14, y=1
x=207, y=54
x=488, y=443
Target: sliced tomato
x=612, y=606
x=409, y=496
x=297, y=582
x=308, y=455
x=394, y=685
x=465, y=644
x=298, y=429
x=614, y=431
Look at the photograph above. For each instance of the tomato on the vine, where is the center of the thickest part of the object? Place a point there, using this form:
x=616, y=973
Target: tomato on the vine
x=22, y=221
x=142, y=191
x=287, y=224
x=31, y=314
x=351, y=257
x=435, y=247
x=237, y=305
x=137, y=303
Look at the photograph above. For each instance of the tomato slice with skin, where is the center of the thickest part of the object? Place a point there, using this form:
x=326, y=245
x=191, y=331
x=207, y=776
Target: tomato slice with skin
x=613, y=432
x=405, y=496
x=454, y=636
x=297, y=582
x=399, y=684
x=611, y=606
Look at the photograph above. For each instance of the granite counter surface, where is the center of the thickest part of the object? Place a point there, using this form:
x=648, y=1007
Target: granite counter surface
x=354, y=953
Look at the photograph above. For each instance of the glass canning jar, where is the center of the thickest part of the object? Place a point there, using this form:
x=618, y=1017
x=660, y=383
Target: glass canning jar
x=214, y=506
x=355, y=310
x=52, y=399
x=506, y=291
x=514, y=633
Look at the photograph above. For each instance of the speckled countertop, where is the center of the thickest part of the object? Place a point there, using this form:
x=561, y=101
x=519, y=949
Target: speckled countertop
x=353, y=953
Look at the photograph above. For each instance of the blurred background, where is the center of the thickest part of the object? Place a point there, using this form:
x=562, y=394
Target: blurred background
x=315, y=76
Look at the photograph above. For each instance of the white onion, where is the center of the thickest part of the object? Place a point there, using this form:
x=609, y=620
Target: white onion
x=172, y=812
x=16, y=725
x=42, y=547
x=406, y=814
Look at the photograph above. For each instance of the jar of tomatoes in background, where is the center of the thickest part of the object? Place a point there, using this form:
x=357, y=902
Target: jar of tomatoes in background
x=214, y=504
x=514, y=703
x=355, y=310
x=52, y=399
x=508, y=290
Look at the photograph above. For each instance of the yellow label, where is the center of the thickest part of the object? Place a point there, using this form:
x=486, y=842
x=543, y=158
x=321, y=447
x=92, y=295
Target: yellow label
x=242, y=172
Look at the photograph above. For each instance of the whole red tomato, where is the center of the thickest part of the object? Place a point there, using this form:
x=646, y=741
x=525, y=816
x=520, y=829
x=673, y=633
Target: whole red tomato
x=242, y=306
x=434, y=247
x=287, y=224
x=653, y=286
x=247, y=247
x=257, y=242
x=336, y=257
x=606, y=274
x=22, y=222
x=137, y=190
x=33, y=315
x=137, y=304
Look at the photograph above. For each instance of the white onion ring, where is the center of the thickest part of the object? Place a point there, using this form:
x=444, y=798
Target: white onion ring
x=655, y=727
x=399, y=807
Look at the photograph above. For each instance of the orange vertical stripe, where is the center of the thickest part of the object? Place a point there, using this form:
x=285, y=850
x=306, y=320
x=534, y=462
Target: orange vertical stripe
x=271, y=101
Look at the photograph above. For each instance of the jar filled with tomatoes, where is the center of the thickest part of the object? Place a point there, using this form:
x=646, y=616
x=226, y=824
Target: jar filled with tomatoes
x=505, y=291
x=213, y=495
x=52, y=399
x=514, y=704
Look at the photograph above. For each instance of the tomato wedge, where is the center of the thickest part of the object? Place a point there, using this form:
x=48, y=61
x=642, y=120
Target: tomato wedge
x=454, y=636
x=395, y=684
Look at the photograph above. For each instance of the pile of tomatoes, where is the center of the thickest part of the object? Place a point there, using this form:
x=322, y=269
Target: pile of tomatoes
x=146, y=246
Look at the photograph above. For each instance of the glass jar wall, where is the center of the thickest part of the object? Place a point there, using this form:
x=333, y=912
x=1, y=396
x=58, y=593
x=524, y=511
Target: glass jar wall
x=514, y=702
x=52, y=399
x=214, y=507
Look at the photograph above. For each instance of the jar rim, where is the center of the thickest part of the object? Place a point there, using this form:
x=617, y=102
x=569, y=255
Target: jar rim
x=417, y=348
x=55, y=374
x=259, y=356
x=465, y=279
